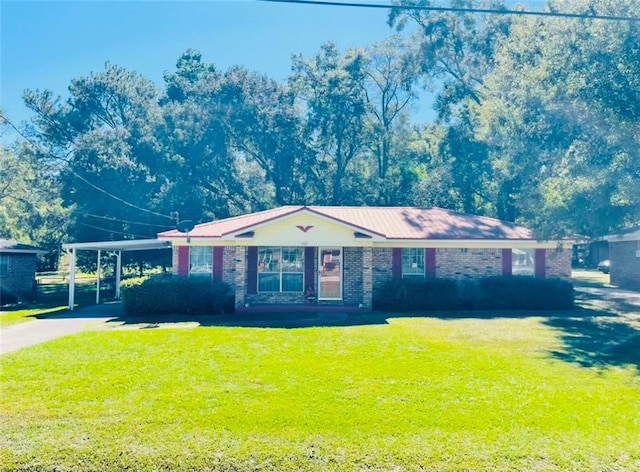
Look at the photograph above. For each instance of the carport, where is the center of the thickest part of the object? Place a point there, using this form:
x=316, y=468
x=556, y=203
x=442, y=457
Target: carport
x=116, y=247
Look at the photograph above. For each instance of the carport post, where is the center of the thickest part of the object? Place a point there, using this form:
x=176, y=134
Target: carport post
x=118, y=272
x=72, y=278
x=98, y=279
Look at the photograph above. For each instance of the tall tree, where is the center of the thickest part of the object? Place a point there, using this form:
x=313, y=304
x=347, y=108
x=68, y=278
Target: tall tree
x=562, y=113
x=331, y=86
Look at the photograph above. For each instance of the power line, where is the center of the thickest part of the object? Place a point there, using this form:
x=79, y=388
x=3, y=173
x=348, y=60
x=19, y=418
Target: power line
x=490, y=11
x=121, y=221
x=75, y=174
x=114, y=231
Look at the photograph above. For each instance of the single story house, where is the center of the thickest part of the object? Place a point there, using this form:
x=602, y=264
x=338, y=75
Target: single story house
x=17, y=270
x=624, y=254
x=341, y=255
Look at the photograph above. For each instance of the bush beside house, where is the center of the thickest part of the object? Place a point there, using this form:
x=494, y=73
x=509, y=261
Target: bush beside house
x=490, y=293
x=170, y=294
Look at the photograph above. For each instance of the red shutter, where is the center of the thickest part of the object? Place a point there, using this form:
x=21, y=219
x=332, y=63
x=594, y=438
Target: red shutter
x=218, y=252
x=309, y=267
x=430, y=262
x=183, y=261
x=396, y=263
x=252, y=270
x=541, y=256
x=507, y=268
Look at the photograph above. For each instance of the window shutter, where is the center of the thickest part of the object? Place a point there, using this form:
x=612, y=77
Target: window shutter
x=507, y=268
x=218, y=260
x=183, y=261
x=252, y=270
x=430, y=262
x=309, y=267
x=396, y=263
x=541, y=256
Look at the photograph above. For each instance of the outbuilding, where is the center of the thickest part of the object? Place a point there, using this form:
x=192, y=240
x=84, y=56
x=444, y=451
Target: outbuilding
x=624, y=256
x=17, y=271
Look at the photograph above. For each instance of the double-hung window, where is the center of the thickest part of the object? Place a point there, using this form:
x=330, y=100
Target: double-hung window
x=523, y=262
x=201, y=261
x=280, y=269
x=413, y=262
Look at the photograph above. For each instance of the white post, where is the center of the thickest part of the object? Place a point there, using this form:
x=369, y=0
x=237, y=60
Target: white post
x=98, y=280
x=118, y=272
x=72, y=278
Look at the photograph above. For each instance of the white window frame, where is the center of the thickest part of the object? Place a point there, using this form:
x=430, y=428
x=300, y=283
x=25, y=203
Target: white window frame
x=282, y=265
x=203, y=256
x=413, y=256
x=523, y=262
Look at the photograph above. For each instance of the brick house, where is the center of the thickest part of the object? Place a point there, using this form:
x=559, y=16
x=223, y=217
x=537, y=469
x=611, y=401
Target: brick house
x=624, y=254
x=343, y=254
x=17, y=270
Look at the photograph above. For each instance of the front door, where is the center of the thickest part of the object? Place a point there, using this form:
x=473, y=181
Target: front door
x=330, y=277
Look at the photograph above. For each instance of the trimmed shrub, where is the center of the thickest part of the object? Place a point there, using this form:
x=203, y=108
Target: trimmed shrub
x=416, y=294
x=167, y=294
x=491, y=293
x=525, y=293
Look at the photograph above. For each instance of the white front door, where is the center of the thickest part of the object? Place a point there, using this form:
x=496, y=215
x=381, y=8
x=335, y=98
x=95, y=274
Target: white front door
x=330, y=273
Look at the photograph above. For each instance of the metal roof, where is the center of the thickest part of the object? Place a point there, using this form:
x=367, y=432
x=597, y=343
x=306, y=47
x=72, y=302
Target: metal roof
x=14, y=247
x=408, y=223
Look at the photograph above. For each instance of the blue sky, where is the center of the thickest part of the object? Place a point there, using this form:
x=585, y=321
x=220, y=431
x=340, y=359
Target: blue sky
x=45, y=44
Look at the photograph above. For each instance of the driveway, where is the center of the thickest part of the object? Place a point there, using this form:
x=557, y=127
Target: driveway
x=593, y=294
x=42, y=330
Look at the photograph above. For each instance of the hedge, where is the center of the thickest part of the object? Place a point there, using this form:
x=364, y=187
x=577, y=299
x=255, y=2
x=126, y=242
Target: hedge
x=167, y=294
x=491, y=293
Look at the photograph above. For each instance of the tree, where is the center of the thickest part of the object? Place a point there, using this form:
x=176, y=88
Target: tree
x=561, y=112
x=331, y=86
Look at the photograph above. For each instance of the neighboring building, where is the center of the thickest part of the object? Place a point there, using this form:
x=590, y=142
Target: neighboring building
x=343, y=254
x=17, y=270
x=624, y=254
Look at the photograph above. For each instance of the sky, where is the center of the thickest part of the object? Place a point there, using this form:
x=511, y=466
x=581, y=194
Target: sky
x=45, y=44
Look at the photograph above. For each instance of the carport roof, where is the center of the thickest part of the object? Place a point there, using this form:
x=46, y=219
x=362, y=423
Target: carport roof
x=124, y=245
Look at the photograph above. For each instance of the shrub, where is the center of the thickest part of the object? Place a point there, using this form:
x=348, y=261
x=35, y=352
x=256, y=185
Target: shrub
x=491, y=293
x=525, y=293
x=166, y=294
x=416, y=294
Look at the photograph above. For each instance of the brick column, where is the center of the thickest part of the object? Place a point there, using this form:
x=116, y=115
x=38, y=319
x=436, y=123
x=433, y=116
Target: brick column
x=367, y=277
x=241, y=269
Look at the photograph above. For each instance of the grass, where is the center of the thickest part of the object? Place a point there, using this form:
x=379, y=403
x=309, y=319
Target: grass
x=18, y=316
x=413, y=394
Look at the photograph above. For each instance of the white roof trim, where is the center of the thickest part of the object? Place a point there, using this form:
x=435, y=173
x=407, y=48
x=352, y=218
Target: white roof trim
x=23, y=251
x=124, y=245
x=635, y=236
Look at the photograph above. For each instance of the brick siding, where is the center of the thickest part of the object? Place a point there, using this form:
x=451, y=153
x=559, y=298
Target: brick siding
x=558, y=263
x=382, y=270
x=352, y=276
x=469, y=263
x=625, y=266
x=20, y=276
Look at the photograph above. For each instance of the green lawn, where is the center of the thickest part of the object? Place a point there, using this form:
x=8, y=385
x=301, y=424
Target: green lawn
x=18, y=316
x=414, y=394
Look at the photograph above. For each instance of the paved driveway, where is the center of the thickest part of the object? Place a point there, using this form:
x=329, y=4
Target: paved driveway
x=39, y=331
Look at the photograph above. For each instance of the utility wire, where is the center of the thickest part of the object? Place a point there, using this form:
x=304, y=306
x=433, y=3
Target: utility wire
x=7, y=121
x=120, y=221
x=490, y=11
x=106, y=230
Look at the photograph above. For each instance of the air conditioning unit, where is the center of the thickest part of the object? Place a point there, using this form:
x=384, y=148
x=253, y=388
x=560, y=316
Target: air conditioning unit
x=638, y=253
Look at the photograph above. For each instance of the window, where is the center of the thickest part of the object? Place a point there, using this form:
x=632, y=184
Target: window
x=201, y=261
x=523, y=262
x=413, y=262
x=280, y=269
x=4, y=264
